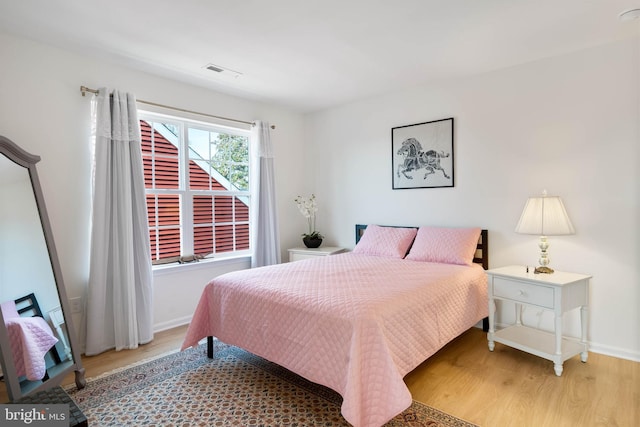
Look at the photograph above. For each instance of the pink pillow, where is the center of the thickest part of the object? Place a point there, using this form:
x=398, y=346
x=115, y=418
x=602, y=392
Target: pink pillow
x=445, y=245
x=393, y=242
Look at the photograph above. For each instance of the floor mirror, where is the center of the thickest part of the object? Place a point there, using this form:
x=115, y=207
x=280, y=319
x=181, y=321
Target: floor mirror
x=38, y=347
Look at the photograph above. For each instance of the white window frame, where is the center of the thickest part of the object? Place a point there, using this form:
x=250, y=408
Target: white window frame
x=186, y=194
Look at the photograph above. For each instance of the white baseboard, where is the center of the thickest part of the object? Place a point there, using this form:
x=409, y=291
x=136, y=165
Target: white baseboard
x=620, y=353
x=174, y=323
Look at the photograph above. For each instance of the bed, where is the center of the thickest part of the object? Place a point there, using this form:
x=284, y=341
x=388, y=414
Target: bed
x=355, y=322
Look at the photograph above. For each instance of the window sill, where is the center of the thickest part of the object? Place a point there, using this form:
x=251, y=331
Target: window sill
x=159, y=270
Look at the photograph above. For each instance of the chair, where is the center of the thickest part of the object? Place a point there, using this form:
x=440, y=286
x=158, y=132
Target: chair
x=29, y=304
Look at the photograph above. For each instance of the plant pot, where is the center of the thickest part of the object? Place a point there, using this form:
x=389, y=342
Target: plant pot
x=312, y=242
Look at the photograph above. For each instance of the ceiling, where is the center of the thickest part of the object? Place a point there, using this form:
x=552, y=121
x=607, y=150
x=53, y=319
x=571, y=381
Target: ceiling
x=310, y=55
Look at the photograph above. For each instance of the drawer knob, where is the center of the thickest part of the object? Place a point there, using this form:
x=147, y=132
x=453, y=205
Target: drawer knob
x=521, y=293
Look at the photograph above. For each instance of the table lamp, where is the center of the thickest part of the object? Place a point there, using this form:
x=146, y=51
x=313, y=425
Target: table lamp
x=544, y=216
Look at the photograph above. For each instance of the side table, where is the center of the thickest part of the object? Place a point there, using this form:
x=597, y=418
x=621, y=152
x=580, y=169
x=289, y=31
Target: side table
x=558, y=292
x=57, y=321
x=296, y=254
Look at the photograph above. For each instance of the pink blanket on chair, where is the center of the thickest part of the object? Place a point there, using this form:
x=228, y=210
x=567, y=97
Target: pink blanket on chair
x=354, y=323
x=31, y=338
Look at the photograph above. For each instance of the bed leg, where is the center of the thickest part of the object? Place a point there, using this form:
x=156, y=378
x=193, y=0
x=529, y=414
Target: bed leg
x=210, y=347
x=485, y=324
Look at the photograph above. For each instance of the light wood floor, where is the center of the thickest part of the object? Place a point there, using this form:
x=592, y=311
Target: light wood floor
x=508, y=387
x=502, y=388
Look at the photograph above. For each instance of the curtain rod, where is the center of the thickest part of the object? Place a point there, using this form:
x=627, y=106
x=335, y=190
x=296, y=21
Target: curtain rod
x=85, y=89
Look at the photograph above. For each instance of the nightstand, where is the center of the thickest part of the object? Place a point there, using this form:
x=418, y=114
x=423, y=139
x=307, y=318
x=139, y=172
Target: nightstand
x=57, y=320
x=557, y=292
x=296, y=254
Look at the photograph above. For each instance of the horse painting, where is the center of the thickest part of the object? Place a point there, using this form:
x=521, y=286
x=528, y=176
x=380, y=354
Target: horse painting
x=415, y=158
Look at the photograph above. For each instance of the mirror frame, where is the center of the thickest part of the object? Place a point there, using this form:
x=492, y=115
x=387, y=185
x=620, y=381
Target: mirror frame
x=28, y=161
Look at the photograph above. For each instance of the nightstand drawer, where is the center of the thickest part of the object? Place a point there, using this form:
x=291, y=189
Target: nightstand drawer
x=558, y=292
x=523, y=292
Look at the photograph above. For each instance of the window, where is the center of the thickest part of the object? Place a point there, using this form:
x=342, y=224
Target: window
x=197, y=187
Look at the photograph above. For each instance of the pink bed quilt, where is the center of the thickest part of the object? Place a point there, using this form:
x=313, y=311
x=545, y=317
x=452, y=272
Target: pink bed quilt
x=354, y=323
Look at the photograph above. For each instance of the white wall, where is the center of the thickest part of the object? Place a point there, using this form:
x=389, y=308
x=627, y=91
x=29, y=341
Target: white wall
x=568, y=124
x=41, y=110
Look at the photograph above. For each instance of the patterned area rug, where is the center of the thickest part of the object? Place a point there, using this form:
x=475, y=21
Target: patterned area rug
x=236, y=388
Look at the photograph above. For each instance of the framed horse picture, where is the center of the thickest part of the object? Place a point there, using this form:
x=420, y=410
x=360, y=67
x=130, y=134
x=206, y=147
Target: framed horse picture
x=422, y=155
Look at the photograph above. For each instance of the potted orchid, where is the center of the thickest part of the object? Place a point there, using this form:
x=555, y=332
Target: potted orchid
x=308, y=208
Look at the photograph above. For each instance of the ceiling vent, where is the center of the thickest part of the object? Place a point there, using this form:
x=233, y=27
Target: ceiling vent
x=214, y=68
x=222, y=70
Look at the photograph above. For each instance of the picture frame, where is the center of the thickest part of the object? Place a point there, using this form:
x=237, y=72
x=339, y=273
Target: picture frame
x=422, y=155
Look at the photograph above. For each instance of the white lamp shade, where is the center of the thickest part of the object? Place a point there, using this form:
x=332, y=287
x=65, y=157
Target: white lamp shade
x=544, y=216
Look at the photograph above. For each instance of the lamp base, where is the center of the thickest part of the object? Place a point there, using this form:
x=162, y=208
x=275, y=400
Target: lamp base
x=543, y=270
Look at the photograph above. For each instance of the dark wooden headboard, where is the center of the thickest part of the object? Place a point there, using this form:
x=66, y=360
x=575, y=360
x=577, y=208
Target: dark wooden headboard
x=482, y=252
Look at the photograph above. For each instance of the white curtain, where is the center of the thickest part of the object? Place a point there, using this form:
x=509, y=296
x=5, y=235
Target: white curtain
x=119, y=298
x=265, y=236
